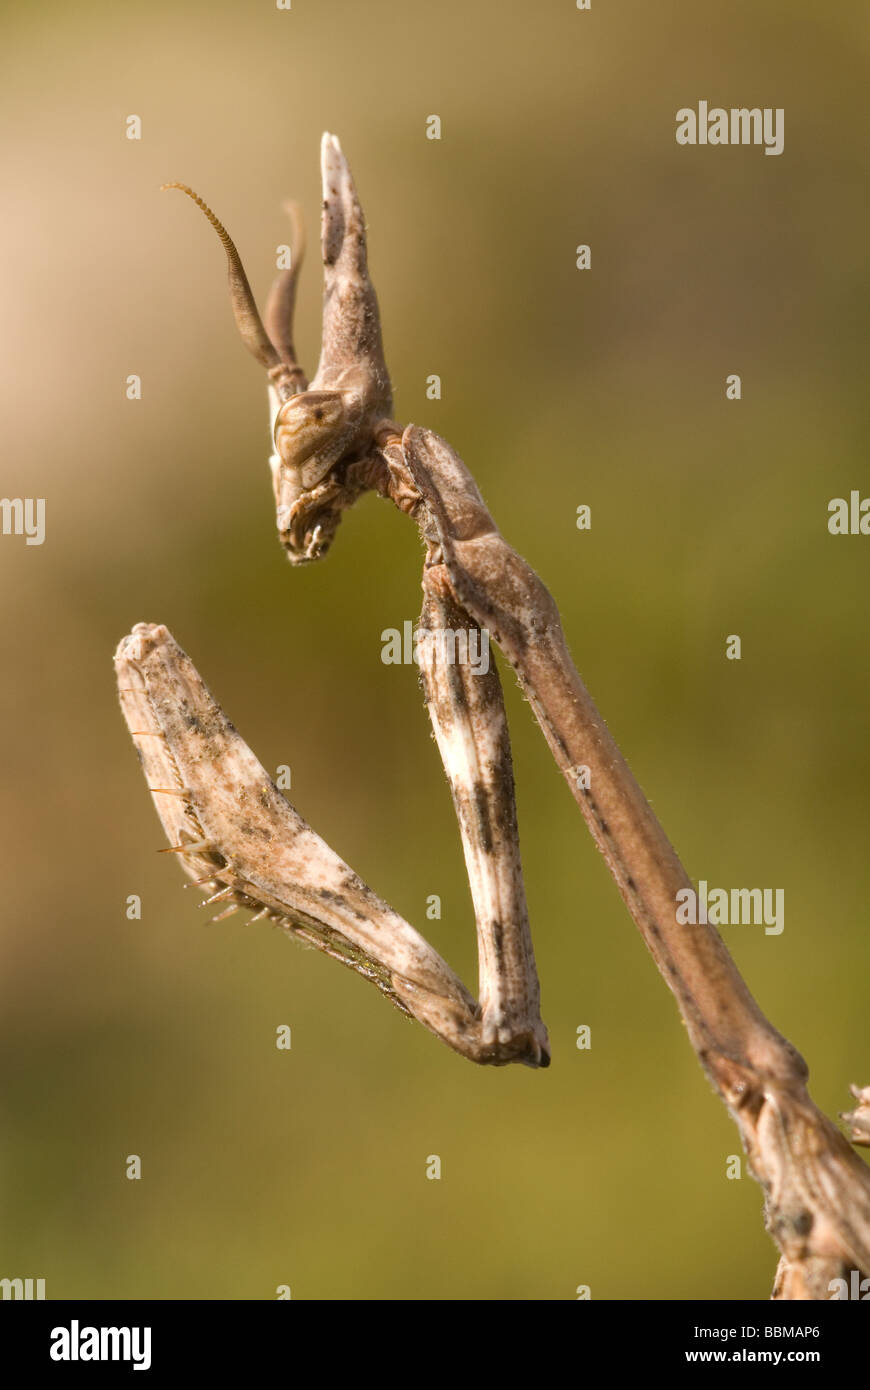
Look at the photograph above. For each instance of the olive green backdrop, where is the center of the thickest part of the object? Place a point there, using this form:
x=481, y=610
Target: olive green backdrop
x=560, y=387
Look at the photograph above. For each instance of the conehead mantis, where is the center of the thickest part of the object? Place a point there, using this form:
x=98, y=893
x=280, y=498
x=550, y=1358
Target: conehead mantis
x=332, y=441
x=239, y=839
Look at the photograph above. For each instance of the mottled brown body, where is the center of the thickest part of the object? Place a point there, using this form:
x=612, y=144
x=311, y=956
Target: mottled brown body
x=236, y=835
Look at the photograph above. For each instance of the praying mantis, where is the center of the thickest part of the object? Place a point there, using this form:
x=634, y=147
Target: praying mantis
x=236, y=835
x=239, y=839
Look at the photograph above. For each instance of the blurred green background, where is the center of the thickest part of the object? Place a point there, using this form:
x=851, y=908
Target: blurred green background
x=604, y=387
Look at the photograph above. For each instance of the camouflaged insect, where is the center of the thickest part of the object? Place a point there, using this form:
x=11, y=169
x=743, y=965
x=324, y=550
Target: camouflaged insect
x=232, y=829
x=238, y=838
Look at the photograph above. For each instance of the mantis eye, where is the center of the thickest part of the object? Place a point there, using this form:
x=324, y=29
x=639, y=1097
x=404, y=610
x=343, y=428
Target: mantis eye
x=309, y=434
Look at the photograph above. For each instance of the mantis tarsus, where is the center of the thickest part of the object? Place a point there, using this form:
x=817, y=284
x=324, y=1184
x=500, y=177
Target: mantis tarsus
x=239, y=839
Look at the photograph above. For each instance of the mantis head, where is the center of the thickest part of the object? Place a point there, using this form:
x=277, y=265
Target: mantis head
x=317, y=432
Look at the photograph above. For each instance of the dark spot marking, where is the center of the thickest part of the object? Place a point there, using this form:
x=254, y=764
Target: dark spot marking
x=481, y=805
x=457, y=689
x=803, y=1223
x=257, y=832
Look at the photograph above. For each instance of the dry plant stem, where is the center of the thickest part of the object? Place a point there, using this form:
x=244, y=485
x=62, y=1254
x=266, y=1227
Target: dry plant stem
x=236, y=835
